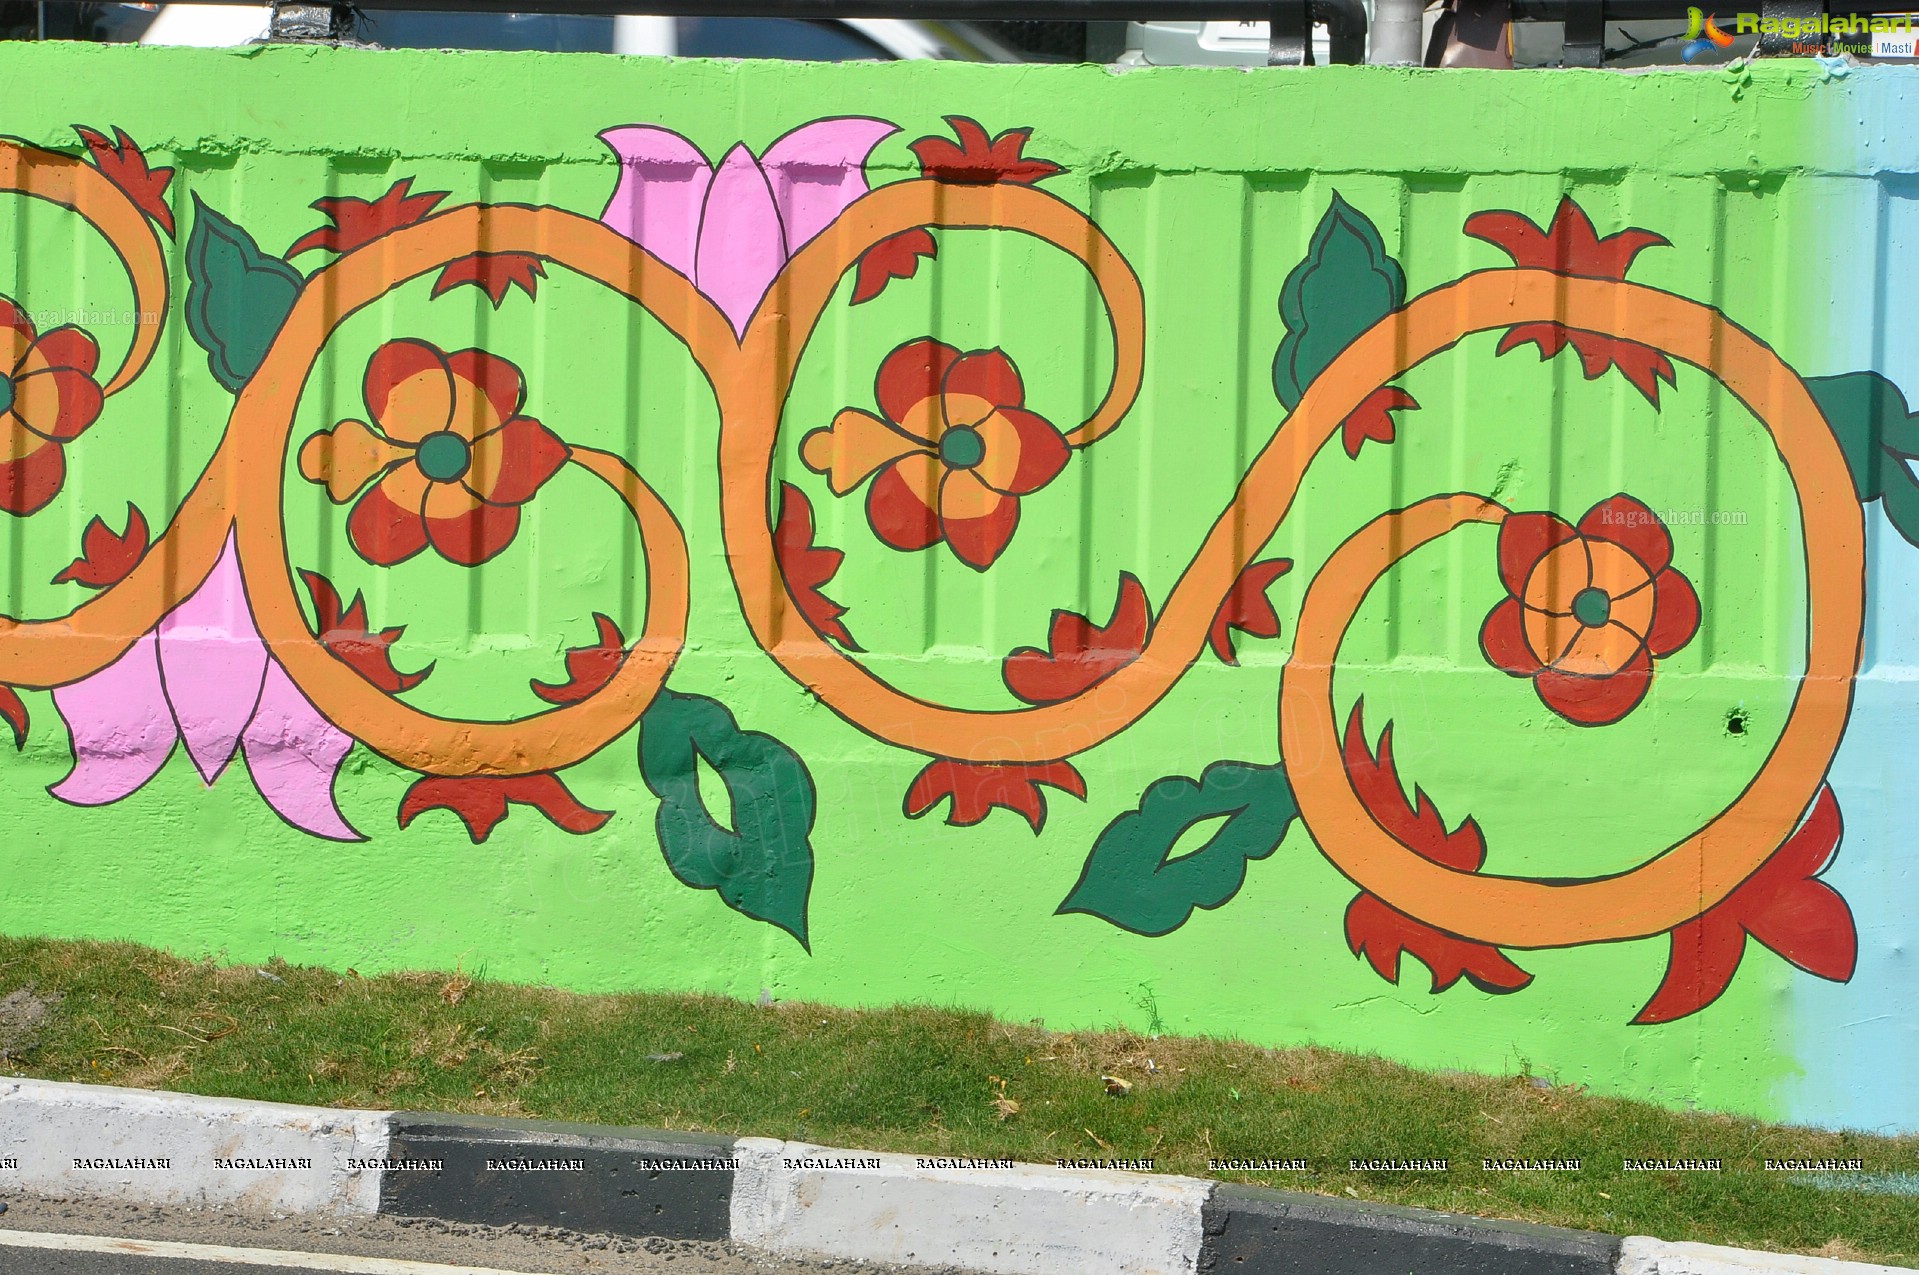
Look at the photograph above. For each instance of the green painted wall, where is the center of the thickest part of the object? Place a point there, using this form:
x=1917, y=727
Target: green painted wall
x=1214, y=187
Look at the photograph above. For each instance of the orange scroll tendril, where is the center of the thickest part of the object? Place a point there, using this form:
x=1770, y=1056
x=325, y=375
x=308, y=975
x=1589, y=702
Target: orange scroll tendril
x=49, y=652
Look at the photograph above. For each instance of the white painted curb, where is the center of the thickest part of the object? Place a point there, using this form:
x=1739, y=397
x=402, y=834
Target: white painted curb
x=1023, y=1221
x=66, y=1140
x=1642, y=1256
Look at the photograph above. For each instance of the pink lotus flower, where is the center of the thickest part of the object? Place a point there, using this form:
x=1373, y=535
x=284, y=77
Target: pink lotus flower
x=729, y=229
x=204, y=676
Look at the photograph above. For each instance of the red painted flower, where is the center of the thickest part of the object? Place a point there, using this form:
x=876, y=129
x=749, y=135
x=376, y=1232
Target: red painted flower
x=954, y=451
x=48, y=397
x=1589, y=607
x=449, y=456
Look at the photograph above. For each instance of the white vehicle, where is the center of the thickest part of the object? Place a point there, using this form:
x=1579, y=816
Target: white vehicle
x=836, y=40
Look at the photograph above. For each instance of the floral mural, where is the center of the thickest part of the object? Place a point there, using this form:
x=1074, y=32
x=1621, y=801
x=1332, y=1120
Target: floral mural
x=199, y=628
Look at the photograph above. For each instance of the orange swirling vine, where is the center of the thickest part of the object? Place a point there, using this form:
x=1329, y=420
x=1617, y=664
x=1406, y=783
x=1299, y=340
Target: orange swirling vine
x=241, y=490
x=42, y=653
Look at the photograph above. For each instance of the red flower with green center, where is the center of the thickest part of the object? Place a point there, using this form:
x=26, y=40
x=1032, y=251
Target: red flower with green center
x=954, y=450
x=48, y=397
x=1589, y=608
x=449, y=458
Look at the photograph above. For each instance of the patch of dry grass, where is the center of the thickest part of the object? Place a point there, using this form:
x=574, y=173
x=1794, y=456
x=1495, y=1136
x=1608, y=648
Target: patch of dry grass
x=926, y=1080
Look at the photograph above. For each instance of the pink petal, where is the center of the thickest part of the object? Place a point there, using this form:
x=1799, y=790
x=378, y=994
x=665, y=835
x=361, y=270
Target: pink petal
x=294, y=754
x=122, y=729
x=818, y=169
x=213, y=663
x=742, y=245
x=662, y=187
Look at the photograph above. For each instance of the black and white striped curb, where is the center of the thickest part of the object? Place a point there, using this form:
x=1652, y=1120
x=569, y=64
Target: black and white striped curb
x=786, y=1198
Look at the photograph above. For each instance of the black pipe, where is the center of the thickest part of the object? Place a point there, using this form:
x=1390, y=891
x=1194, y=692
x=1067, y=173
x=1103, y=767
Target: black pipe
x=1346, y=25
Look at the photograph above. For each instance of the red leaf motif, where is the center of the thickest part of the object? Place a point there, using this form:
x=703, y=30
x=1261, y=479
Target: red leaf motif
x=345, y=633
x=1080, y=653
x=14, y=713
x=126, y=167
x=357, y=222
x=588, y=668
x=1247, y=608
x=976, y=161
x=976, y=788
x=1784, y=905
x=480, y=802
x=1382, y=933
x=890, y=259
x=493, y=273
x=1568, y=246
x=106, y=557
x=1372, y=418
x=1417, y=824
x=808, y=567
x=1644, y=366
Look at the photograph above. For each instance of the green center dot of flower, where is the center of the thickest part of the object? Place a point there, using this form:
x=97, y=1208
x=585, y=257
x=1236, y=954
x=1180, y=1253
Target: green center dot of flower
x=444, y=456
x=1592, y=607
x=6, y=393
x=961, y=447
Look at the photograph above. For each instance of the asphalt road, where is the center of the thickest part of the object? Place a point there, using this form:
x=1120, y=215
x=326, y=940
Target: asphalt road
x=71, y=1237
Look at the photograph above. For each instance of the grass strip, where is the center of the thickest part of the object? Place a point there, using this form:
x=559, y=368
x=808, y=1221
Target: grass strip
x=932, y=1081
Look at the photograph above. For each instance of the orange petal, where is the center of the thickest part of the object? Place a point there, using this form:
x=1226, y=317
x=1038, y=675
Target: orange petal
x=481, y=383
x=1558, y=578
x=491, y=378
x=1601, y=650
x=852, y=447
x=347, y=457
x=1548, y=636
x=1627, y=523
x=515, y=461
x=1617, y=571
x=16, y=336
x=976, y=541
x=950, y=410
x=963, y=495
x=409, y=390
x=16, y=440
x=1023, y=452
x=448, y=500
x=405, y=486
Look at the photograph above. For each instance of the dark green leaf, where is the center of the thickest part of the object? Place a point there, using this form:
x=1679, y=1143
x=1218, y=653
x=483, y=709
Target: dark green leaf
x=763, y=865
x=1868, y=416
x=1129, y=878
x=1346, y=284
x=237, y=296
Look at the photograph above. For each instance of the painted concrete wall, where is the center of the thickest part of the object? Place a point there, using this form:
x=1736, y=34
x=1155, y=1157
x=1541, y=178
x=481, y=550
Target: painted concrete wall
x=954, y=534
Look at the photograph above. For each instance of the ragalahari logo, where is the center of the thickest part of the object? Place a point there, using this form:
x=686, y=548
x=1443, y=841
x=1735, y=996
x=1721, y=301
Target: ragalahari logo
x=1702, y=33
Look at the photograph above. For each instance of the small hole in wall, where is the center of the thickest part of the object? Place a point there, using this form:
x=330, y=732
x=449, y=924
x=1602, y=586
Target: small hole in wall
x=1737, y=721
